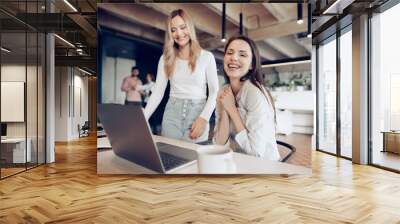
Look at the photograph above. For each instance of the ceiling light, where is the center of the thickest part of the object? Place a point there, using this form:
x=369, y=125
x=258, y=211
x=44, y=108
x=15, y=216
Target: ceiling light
x=338, y=6
x=331, y=7
x=84, y=71
x=5, y=50
x=65, y=41
x=78, y=44
x=286, y=63
x=223, y=23
x=241, y=23
x=71, y=6
x=309, y=20
x=300, y=12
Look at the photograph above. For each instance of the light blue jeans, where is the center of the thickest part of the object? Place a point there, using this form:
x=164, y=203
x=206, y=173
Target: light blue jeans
x=179, y=116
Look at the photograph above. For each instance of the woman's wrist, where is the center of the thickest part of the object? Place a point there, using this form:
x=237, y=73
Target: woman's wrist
x=202, y=119
x=222, y=128
x=232, y=111
x=237, y=120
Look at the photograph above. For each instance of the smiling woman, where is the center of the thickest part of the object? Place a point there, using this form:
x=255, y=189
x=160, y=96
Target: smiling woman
x=245, y=109
x=190, y=71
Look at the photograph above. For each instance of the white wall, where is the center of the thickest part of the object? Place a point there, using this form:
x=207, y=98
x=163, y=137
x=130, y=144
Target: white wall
x=84, y=84
x=71, y=94
x=12, y=101
x=61, y=103
x=108, y=74
x=33, y=127
x=81, y=104
x=16, y=72
x=13, y=72
x=114, y=71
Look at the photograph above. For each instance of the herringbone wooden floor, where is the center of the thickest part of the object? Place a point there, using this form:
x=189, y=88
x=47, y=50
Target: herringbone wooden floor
x=70, y=191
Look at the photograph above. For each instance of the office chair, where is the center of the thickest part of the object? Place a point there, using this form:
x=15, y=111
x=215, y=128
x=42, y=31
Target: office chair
x=287, y=146
x=84, y=130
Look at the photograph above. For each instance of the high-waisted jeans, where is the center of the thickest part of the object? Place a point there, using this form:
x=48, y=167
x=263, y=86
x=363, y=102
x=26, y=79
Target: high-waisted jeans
x=179, y=116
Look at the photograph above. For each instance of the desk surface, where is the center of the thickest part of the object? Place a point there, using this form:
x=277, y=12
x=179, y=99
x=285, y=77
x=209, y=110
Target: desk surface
x=109, y=163
x=13, y=140
x=391, y=132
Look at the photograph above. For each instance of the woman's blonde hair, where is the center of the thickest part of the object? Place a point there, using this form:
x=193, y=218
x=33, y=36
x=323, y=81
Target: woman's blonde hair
x=171, y=49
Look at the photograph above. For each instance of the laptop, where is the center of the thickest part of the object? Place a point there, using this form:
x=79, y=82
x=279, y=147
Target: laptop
x=130, y=138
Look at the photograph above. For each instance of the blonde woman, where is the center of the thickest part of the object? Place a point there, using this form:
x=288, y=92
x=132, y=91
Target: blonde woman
x=190, y=70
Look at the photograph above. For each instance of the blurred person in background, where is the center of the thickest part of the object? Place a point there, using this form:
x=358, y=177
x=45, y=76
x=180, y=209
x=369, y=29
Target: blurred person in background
x=147, y=88
x=132, y=86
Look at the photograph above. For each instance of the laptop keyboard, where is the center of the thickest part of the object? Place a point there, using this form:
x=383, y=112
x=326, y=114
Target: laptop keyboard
x=170, y=161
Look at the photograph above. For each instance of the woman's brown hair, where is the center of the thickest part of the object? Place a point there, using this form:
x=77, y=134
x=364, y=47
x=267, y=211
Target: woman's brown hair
x=254, y=75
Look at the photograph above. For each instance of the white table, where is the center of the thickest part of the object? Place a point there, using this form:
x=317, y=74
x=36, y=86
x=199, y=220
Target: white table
x=18, y=144
x=109, y=163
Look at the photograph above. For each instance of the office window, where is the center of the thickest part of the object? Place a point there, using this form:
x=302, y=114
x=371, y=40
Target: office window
x=327, y=96
x=346, y=92
x=385, y=88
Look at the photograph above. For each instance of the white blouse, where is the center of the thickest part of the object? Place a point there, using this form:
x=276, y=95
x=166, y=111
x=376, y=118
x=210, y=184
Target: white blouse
x=187, y=85
x=258, y=139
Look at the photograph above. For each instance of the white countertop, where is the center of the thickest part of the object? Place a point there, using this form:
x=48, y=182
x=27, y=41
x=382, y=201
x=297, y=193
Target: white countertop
x=109, y=163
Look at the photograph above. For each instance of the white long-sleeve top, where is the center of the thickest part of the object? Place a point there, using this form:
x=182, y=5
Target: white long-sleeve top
x=187, y=85
x=257, y=113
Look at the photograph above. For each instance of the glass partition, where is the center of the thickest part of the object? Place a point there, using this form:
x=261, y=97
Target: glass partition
x=22, y=90
x=346, y=93
x=327, y=96
x=385, y=89
x=13, y=105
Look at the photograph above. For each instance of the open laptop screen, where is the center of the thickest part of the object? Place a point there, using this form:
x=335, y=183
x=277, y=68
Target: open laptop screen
x=129, y=134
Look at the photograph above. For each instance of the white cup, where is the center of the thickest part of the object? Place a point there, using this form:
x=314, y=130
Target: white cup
x=215, y=159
